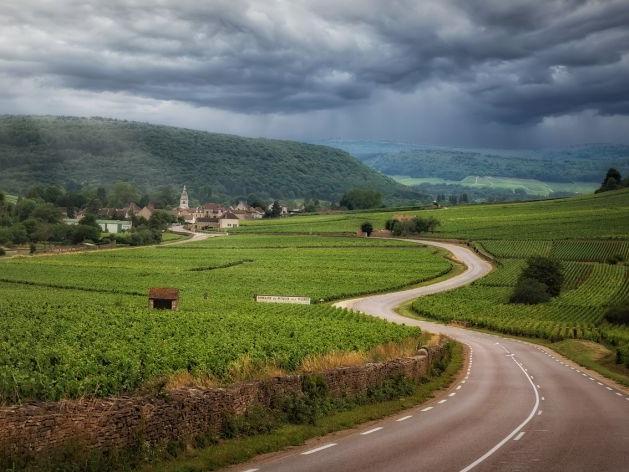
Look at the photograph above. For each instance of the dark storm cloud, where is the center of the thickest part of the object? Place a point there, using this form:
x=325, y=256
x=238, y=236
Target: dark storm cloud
x=516, y=61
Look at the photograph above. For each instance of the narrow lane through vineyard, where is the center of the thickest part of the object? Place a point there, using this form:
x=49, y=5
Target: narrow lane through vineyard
x=517, y=406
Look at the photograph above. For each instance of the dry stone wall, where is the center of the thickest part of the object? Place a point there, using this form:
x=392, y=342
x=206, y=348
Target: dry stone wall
x=119, y=422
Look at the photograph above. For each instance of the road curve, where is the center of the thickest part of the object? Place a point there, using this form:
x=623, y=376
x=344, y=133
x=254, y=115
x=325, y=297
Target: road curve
x=517, y=407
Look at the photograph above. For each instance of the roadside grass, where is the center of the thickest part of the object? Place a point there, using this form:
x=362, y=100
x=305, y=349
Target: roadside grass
x=593, y=356
x=238, y=450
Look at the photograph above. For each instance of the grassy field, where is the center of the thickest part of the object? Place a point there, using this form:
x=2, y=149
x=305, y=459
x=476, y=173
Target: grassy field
x=601, y=216
x=78, y=324
x=530, y=186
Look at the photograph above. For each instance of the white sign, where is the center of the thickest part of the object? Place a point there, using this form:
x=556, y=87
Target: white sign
x=282, y=299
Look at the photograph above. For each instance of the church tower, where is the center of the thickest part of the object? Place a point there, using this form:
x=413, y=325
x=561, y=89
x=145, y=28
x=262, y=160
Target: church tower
x=183, y=200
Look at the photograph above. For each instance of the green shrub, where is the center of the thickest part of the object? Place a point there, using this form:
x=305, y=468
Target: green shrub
x=618, y=314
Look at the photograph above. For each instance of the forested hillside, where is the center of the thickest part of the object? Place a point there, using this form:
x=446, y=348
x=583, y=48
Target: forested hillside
x=584, y=163
x=98, y=151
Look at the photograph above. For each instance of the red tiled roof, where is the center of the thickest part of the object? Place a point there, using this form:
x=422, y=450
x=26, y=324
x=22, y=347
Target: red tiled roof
x=164, y=293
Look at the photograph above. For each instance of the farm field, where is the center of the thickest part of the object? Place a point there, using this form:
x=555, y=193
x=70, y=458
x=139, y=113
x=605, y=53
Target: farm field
x=530, y=186
x=600, y=216
x=78, y=325
x=590, y=286
x=584, y=233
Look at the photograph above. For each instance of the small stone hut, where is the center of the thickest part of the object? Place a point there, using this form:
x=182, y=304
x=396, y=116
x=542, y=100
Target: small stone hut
x=163, y=298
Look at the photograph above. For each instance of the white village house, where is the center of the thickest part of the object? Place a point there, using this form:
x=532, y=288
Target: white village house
x=106, y=226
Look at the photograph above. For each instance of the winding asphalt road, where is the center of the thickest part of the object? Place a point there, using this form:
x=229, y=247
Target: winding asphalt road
x=516, y=407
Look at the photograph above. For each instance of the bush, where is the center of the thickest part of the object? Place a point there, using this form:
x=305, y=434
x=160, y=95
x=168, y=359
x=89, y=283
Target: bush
x=618, y=314
x=2, y=252
x=367, y=228
x=530, y=292
x=390, y=224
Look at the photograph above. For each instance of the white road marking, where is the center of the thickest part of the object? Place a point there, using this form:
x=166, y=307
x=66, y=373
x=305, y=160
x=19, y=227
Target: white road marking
x=539, y=413
x=543, y=399
x=590, y=378
x=619, y=394
x=454, y=393
x=538, y=386
x=250, y=470
x=515, y=431
x=608, y=388
x=599, y=384
x=312, y=451
x=442, y=401
x=404, y=418
x=365, y=433
x=458, y=388
x=519, y=436
x=428, y=408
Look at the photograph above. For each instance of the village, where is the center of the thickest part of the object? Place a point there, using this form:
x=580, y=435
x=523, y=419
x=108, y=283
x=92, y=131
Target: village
x=206, y=217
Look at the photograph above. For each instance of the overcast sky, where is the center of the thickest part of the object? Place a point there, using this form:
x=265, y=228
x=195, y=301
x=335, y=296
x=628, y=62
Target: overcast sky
x=451, y=72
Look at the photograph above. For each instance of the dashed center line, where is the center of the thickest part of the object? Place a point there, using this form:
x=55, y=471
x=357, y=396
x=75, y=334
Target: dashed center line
x=519, y=436
x=428, y=408
x=452, y=394
x=365, y=433
x=442, y=401
x=317, y=449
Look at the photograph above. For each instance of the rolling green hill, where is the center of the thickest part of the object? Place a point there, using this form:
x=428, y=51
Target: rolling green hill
x=491, y=174
x=94, y=151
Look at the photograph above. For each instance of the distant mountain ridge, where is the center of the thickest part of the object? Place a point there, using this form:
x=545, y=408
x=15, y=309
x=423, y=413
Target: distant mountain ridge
x=582, y=163
x=99, y=151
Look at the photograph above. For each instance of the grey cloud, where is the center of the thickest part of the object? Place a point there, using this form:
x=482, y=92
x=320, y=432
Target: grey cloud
x=517, y=61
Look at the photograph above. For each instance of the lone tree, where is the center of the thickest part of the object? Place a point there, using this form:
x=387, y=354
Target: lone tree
x=367, y=228
x=529, y=292
x=612, y=181
x=540, y=280
x=545, y=270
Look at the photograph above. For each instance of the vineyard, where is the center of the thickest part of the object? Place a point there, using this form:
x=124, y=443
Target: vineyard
x=588, y=289
x=78, y=325
x=600, y=216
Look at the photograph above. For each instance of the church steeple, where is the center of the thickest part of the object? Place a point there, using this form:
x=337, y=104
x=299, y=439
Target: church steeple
x=183, y=200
